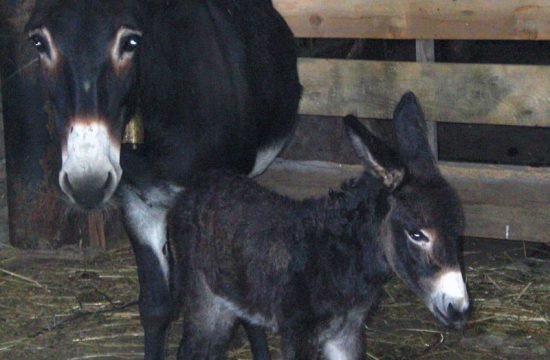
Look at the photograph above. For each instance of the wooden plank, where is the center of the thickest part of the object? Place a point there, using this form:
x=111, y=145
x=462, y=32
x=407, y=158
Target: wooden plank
x=499, y=201
x=504, y=222
x=462, y=93
x=420, y=19
x=476, y=183
x=503, y=185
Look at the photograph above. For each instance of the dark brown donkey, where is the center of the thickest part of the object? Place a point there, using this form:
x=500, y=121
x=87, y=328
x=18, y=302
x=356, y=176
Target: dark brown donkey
x=217, y=87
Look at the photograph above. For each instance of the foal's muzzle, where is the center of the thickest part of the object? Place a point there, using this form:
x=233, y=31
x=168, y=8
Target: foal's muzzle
x=449, y=299
x=91, y=170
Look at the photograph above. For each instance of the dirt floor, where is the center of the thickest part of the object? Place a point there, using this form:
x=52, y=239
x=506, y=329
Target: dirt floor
x=67, y=304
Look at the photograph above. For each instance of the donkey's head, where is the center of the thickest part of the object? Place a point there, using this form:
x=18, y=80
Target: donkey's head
x=87, y=52
x=420, y=231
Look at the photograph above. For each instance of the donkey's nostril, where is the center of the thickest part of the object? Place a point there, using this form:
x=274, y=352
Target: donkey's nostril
x=66, y=184
x=108, y=182
x=89, y=192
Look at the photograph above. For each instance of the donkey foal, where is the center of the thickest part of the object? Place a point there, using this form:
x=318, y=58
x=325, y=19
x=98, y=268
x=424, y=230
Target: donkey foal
x=311, y=270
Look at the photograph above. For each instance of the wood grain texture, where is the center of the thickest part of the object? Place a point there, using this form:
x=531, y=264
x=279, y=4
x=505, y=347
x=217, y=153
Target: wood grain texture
x=505, y=222
x=421, y=19
x=499, y=201
x=462, y=93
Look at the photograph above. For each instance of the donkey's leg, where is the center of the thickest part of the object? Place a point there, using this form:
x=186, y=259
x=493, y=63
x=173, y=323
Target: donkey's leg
x=299, y=342
x=258, y=341
x=145, y=218
x=207, y=322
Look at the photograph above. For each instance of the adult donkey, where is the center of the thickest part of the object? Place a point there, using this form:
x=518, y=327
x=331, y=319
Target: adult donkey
x=217, y=86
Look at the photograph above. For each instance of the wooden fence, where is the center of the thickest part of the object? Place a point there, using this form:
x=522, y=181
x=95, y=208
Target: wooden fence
x=511, y=202
x=418, y=19
x=500, y=201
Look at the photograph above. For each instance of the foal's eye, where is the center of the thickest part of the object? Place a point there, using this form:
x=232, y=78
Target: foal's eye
x=130, y=43
x=417, y=235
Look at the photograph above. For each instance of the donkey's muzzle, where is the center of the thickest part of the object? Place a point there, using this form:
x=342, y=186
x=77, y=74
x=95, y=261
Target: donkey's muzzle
x=449, y=300
x=89, y=193
x=90, y=172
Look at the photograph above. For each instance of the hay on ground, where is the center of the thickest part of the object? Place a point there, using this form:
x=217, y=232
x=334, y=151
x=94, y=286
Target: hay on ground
x=73, y=307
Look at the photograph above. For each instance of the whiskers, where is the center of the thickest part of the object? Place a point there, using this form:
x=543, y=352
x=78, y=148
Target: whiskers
x=92, y=222
x=109, y=209
x=18, y=71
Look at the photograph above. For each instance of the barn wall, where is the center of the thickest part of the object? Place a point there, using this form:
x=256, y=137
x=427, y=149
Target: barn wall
x=39, y=219
x=500, y=201
x=420, y=19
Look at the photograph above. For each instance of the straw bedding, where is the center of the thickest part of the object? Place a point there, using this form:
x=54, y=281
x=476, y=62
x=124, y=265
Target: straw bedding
x=69, y=304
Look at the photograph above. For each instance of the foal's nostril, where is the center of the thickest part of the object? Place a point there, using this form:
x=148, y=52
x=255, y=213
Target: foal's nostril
x=453, y=313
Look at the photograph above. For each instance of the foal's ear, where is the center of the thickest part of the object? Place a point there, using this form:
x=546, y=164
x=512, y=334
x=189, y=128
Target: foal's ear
x=378, y=158
x=410, y=130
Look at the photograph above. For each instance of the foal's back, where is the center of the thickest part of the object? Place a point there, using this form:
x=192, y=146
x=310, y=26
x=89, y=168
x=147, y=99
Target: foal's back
x=240, y=235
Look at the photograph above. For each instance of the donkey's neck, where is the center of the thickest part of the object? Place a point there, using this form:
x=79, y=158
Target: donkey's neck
x=345, y=251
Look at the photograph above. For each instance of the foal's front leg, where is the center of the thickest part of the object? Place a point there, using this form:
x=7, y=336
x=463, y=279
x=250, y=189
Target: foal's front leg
x=345, y=342
x=159, y=281
x=207, y=321
x=145, y=219
x=299, y=342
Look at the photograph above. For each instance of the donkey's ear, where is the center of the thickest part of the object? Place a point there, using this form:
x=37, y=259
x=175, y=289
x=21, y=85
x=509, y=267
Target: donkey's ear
x=410, y=130
x=38, y=13
x=378, y=159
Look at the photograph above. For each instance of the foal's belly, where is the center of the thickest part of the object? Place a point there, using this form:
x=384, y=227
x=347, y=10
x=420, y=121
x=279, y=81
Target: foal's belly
x=254, y=317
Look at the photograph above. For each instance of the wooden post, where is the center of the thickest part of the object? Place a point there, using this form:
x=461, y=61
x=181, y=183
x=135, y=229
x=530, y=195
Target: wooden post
x=96, y=230
x=425, y=52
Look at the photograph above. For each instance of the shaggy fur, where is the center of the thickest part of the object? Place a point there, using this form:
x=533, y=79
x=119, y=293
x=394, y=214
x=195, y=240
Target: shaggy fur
x=288, y=265
x=311, y=270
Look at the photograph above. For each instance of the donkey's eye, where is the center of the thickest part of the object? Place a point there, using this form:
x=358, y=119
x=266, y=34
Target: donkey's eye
x=40, y=44
x=417, y=235
x=130, y=43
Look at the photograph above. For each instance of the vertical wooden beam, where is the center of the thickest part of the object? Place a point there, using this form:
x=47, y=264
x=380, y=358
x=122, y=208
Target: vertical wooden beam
x=425, y=52
x=96, y=230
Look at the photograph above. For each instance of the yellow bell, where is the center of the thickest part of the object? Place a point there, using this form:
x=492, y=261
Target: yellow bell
x=134, y=133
